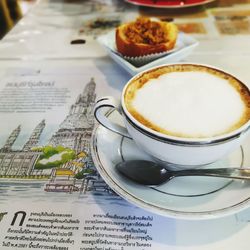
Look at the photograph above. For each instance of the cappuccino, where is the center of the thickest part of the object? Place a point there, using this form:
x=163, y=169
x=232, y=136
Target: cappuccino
x=189, y=101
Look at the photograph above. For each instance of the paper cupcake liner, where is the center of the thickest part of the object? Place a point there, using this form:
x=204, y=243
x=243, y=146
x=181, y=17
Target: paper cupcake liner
x=142, y=60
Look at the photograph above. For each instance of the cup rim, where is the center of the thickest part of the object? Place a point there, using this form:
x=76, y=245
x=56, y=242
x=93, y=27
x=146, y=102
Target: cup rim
x=183, y=140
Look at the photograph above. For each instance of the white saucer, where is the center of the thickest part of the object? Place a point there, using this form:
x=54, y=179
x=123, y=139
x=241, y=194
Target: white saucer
x=185, y=44
x=182, y=197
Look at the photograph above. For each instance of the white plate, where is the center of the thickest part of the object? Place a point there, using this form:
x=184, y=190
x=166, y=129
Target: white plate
x=169, y=4
x=185, y=44
x=182, y=197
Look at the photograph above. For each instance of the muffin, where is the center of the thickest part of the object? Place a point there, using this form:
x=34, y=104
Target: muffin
x=144, y=37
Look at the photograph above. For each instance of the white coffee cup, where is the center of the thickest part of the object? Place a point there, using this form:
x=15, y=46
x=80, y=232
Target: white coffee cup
x=189, y=150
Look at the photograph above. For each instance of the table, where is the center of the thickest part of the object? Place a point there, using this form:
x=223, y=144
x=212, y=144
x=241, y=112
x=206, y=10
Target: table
x=38, y=51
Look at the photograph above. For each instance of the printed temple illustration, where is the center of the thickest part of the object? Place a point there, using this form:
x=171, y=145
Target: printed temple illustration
x=75, y=131
x=64, y=163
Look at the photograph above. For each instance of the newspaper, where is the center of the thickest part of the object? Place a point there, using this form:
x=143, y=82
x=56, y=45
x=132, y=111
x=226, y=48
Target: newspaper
x=51, y=195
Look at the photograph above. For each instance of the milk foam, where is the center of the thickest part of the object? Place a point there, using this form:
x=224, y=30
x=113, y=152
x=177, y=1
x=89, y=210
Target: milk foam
x=194, y=104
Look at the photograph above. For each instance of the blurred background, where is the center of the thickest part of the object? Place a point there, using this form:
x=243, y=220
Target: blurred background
x=11, y=11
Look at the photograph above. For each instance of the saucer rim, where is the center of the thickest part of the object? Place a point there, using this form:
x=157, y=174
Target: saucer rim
x=151, y=207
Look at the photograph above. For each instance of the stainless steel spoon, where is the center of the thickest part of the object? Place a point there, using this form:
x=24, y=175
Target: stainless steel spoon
x=151, y=173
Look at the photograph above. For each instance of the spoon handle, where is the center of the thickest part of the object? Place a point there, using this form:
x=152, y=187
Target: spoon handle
x=233, y=173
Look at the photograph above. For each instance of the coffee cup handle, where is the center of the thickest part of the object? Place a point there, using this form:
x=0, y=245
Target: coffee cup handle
x=104, y=120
